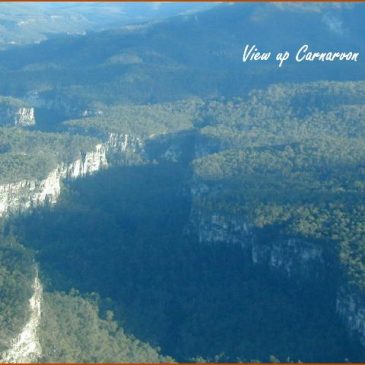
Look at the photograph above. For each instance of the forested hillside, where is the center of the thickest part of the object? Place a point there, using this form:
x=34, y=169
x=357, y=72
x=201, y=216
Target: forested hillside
x=72, y=331
x=287, y=159
x=189, y=55
x=16, y=276
x=32, y=154
x=120, y=234
x=293, y=158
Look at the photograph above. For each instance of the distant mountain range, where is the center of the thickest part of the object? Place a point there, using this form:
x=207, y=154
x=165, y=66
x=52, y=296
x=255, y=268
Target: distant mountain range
x=23, y=23
x=198, y=53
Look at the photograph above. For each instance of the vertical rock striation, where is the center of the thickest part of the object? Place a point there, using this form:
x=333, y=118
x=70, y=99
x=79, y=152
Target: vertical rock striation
x=17, y=116
x=296, y=258
x=22, y=195
x=24, y=117
x=120, y=143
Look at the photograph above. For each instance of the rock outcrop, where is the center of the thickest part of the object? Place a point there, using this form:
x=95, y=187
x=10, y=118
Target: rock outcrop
x=17, y=116
x=26, y=348
x=22, y=195
x=24, y=117
x=295, y=257
x=122, y=143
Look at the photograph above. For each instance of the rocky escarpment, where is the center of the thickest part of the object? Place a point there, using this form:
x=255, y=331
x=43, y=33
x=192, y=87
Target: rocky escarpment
x=118, y=143
x=295, y=257
x=17, y=116
x=24, y=117
x=21, y=195
x=123, y=148
x=26, y=348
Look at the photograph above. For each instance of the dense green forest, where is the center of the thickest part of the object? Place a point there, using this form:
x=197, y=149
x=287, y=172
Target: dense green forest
x=306, y=139
x=33, y=154
x=279, y=158
x=72, y=330
x=120, y=233
x=288, y=159
x=142, y=120
x=292, y=157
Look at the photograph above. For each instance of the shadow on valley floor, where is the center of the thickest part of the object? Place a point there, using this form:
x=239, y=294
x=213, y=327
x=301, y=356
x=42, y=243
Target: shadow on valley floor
x=120, y=234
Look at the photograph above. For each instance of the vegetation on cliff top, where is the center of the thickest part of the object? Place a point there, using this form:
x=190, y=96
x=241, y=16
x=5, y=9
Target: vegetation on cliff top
x=119, y=233
x=143, y=120
x=292, y=157
x=33, y=154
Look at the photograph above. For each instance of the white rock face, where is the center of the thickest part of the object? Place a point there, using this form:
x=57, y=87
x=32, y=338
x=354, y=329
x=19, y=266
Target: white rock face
x=21, y=195
x=26, y=348
x=216, y=227
x=292, y=256
x=295, y=257
x=120, y=143
x=88, y=163
x=24, y=117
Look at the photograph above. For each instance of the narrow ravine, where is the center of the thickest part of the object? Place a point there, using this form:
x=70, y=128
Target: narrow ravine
x=26, y=347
